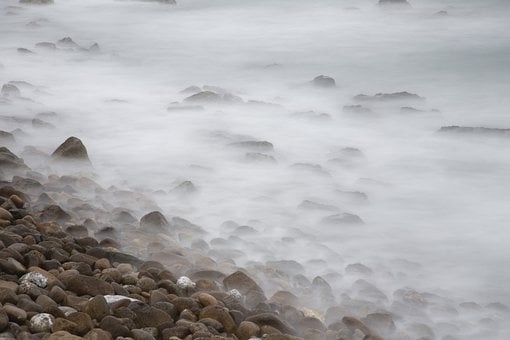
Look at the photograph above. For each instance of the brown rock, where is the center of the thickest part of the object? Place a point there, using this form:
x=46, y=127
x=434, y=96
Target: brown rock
x=62, y=324
x=15, y=314
x=247, y=330
x=98, y=334
x=271, y=320
x=206, y=299
x=7, y=295
x=97, y=308
x=220, y=314
x=83, y=322
x=63, y=335
x=5, y=214
x=353, y=324
x=4, y=319
x=87, y=285
x=154, y=220
x=148, y=316
x=71, y=149
x=114, y=326
x=246, y=286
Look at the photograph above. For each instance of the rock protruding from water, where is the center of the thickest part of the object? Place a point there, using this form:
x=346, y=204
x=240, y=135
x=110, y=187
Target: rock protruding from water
x=8, y=160
x=396, y=96
x=10, y=90
x=71, y=149
x=324, y=81
x=475, y=130
x=154, y=221
x=394, y=2
x=36, y=2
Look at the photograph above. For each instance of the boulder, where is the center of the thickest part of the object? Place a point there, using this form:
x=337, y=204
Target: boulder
x=324, y=81
x=71, y=149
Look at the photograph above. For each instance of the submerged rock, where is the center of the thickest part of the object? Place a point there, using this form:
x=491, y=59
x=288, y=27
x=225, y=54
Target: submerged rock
x=8, y=160
x=10, y=90
x=396, y=96
x=71, y=149
x=394, y=2
x=324, y=81
x=475, y=130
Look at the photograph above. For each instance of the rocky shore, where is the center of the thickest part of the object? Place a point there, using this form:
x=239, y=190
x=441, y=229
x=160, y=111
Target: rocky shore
x=58, y=281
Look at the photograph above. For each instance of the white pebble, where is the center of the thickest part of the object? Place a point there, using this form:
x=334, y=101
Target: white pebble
x=185, y=282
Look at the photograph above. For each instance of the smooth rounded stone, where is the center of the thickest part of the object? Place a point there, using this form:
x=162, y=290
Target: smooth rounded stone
x=220, y=314
x=285, y=298
x=34, y=277
x=41, y=323
x=342, y=219
x=177, y=332
x=211, y=323
x=15, y=314
x=83, y=322
x=272, y=320
x=66, y=310
x=87, y=285
x=158, y=296
x=146, y=284
x=114, y=326
x=154, y=221
x=45, y=302
x=77, y=230
x=188, y=315
x=29, y=306
x=10, y=90
x=103, y=264
x=246, y=286
x=63, y=335
x=57, y=294
x=324, y=81
x=353, y=324
x=97, y=334
x=46, y=45
x=61, y=324
x=358, y=268
x=148, y=316
x=206, y=299
x=247, y=330
x=310, y=323
x=97, y=307
x=5, y=214
x=8, y=295
x=140, y=334
x=394, y=2
x=111, y=275
x=4, y=319
x=54, y=213
x=71, y=149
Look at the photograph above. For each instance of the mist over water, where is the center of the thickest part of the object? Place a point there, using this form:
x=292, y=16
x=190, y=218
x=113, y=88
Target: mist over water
x=434, y=205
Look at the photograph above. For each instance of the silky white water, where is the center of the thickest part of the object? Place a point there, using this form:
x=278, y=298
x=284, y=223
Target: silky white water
x=436, y=199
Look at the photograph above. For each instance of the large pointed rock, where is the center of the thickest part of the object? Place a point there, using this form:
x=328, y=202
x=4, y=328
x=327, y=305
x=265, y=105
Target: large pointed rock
x=8, y=160
x=71, y=149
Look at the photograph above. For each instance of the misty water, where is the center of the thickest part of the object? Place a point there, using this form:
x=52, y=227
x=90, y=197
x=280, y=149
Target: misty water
x=432, y=207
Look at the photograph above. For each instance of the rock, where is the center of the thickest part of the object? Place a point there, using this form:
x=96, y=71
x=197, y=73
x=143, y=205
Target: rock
x=323, y=81
x=254, y=145
x=114, y=326
x=54, y=213
x=146, y=284
x=88, y=285
x=154, y=220
x=204, y=97
x=63, y=335
x=83, y=322
x=10, y=90
x=62, y=324
x=4, y=319
x=380, y=322
x=148, y=316
x=71, y=149
x=394, y=2
x=7, y=138
x=41, y=323
x=36, y=278
x=382, y=97
x=220, y=314
x=247, y=330
x=246, y=286
x=98, y=334
x=36, y=2
x=342, y=219
x=353, y=324
x=46, y=45
x=272, y=320
x=10, y=161
x=97, y=308
x=15, y=314
x=67, y=42
x=475, y=130
x=5, y=214
x=359, y=109
x=140, y=334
